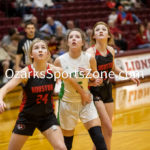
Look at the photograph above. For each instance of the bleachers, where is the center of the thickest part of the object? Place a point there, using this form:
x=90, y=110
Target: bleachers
x=7, y=23
x=1, y=14
x=76, y=11
x=84, y=12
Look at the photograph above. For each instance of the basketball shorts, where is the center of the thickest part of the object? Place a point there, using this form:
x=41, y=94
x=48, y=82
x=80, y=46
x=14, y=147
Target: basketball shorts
x=70, y=113
x=103, y=92
x=25, y=125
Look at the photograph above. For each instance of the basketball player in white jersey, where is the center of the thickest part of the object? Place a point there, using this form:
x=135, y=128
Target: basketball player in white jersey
x=71, y=106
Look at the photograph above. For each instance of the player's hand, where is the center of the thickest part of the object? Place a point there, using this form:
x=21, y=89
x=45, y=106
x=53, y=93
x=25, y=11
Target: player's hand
x=83, y=70
x=99, y=81
x=96, y=82
x=86, y=98
x=135, y=80
x=2, y=106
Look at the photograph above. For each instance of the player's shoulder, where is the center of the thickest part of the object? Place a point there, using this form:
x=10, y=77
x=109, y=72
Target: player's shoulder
x=111, y=49
x=63, y=56
x=54, y=68
x=90, y=51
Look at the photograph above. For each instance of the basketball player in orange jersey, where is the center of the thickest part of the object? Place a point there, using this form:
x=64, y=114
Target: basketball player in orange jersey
x=36, y=110
x=104, y=54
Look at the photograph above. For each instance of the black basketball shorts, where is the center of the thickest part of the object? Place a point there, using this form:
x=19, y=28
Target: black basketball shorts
x=103, y=93
x=25, y=125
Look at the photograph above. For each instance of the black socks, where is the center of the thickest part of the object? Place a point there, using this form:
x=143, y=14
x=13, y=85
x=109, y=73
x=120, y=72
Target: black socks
x=97, y=138
x=68, y=141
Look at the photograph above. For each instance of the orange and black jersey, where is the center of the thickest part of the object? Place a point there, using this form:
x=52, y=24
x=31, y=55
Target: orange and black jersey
x=104, y=63
x=104, y=66
x=37, y=93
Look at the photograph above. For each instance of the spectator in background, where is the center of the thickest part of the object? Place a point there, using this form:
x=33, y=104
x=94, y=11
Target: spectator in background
x=127, y=4
x=59, y=32
x=123, y=17
x=52, y=45
x=136, y=3
x=113, y=17
x=119, y=41
x=61, y=46
x=61, y=0
x=34, y=20
x=5, y=62
x=111, y=4
x=148, y=31
x=38, y=4
x=70, y=25
x=88, y=38
x=21, y=28
x=12, y=48
x=130, y=4
x=23, y=7
x=43, y=3
x=8, y=56
x=117, y=4
x=127, y=17
x=50, y=27
x=7, y=38
x=141, y=38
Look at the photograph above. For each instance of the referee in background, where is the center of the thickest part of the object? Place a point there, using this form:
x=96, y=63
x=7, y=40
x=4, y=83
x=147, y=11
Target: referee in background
x=24, y=45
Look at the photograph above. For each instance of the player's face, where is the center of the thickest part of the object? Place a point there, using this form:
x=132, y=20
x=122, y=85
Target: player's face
x=30, y=30
x=75, y=40
x=101, y=32
x=39, y=51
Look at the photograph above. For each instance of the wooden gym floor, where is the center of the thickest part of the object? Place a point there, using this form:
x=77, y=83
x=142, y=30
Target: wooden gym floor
x=131, y=131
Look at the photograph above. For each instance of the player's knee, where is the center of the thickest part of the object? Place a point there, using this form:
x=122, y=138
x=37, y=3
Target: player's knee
x=108, y=130
x=60, y=146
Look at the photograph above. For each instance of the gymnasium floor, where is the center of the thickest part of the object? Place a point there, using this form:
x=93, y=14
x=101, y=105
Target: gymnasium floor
x=131, y=131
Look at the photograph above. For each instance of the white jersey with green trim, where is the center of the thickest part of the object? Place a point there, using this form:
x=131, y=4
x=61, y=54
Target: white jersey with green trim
x=71, y=67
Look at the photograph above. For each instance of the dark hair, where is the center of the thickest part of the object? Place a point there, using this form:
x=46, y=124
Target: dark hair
x=80, y=31
x=11, y=31
x=110, y=40
x=29, y=23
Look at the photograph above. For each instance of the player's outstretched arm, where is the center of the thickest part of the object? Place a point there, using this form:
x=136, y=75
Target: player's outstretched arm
x=19, y=77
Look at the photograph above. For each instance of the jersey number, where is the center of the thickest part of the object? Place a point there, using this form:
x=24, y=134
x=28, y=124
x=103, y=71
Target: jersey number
x=41, y=98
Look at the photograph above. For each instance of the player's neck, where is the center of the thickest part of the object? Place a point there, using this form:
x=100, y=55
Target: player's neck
x=75, y=53
x=40, y=66
x=101, y=46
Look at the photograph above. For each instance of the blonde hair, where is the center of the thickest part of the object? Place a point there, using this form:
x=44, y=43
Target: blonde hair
x=110, y=39
x=37, y=40
x=82, y=36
